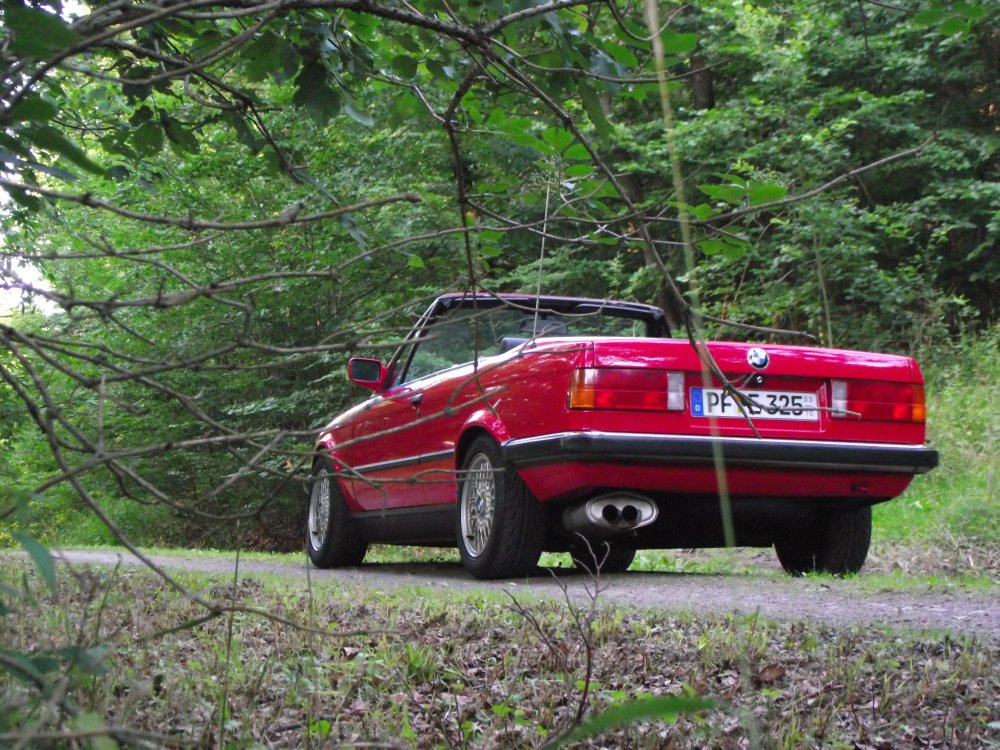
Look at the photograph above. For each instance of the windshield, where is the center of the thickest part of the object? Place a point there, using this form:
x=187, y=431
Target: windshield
x=458, y=336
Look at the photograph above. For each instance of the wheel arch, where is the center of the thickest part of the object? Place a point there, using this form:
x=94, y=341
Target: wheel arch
x=482, y=422
x=325, y=449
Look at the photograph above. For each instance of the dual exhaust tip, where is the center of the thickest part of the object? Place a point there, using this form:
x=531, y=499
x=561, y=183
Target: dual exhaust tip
x=626, y=515
x=612, y=514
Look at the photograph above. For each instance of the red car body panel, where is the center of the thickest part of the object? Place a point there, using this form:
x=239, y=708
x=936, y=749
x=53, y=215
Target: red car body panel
x=401, y=449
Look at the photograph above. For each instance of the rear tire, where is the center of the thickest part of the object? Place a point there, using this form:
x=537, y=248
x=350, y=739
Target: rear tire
x=499, y=525
x=836, y=543
x=332, y=537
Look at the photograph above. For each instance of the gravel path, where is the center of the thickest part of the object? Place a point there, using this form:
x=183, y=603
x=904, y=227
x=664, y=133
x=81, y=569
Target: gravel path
x=840, y=603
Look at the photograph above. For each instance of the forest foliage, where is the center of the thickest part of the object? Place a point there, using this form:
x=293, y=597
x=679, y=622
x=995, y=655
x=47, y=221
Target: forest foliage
x=212, y=204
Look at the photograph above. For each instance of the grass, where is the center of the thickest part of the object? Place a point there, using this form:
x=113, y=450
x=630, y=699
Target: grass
x=424, y=669
x=947, y=519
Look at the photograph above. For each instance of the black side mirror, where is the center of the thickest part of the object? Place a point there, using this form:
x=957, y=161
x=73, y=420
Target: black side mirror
x=368, y=373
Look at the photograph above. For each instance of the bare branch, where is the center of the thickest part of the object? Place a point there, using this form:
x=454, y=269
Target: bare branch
x=291, y=216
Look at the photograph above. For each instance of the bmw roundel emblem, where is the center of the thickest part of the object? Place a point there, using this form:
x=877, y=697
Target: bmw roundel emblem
x=757, y=358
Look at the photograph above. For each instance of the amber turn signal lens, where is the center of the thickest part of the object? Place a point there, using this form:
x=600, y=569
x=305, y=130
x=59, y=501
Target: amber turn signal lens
x=919, y=404
x=618, y=388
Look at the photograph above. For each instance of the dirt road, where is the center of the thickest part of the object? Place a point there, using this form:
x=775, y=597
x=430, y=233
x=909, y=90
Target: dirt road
x=840, y=603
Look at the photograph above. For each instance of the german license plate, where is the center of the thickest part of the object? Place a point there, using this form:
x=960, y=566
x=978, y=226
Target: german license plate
x=715, y=402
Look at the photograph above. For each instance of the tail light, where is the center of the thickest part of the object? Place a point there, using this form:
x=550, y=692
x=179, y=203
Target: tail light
x=626, y=389
x=877, y=401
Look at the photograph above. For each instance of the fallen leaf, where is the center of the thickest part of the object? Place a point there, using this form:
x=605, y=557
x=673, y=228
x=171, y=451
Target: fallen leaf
x=771, y=674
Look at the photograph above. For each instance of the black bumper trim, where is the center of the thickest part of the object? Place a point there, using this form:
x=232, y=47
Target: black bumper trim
x=635, y=448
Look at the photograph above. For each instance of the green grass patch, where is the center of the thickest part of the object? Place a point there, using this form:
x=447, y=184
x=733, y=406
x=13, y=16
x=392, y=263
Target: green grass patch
x=952, y=509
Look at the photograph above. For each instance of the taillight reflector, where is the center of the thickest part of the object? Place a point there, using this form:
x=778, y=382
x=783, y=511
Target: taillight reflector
x=625, y=388
x=878, y=402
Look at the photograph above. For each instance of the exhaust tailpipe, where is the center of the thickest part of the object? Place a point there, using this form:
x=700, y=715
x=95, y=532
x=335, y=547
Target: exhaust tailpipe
x=610, y=515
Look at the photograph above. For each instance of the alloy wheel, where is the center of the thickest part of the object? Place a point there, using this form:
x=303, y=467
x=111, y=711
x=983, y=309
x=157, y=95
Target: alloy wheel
x=319, y=511
x=478, y=504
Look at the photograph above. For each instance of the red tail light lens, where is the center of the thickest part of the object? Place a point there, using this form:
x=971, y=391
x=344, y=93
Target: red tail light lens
x=622, y=388
x=878, y=402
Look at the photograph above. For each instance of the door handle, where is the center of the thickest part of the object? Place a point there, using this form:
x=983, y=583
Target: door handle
x=415, y=400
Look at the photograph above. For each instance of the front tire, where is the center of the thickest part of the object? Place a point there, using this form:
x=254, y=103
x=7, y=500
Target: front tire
x=332, y=537
x=837, y=543
x=500, y=524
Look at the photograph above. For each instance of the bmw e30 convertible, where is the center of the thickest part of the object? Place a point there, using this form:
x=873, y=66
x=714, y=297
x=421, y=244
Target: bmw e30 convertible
x=508, y=425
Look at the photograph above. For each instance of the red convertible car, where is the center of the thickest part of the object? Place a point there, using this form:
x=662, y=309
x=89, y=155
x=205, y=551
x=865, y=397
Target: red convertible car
x=510, y=425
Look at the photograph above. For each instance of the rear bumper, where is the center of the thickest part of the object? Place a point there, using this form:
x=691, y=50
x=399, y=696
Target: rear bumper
x=761, y=453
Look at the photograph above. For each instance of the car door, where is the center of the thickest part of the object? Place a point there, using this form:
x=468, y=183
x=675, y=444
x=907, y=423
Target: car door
x=402, y=451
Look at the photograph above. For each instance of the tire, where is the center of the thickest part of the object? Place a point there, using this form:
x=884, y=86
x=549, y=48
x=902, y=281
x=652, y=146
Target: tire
x=332, y=538
x=838, y=544
x=611, y=557
x=499, y=524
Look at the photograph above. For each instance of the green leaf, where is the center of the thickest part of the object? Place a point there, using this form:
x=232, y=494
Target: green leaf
x=92, y=724
x=954, y=25
x=21, y=667
x=526, y=139
x=733, y=250
x=678, y=44
x=362, y=25
x=632, y=33
x=247, y=136
x=404, y=66
x=34, y=109
x=766, y=192
x=118, y=173
x=595, y=110
x=362, y=118
x=440, y=70
x=666, y=708
x=415, y=261
x=147, y=139
x=579, y=170
x=313, y=93
x=180, y=136
x=558, y=138
x=711, y=246
x=41, y=556
x=92, y=660
x=409, y=43
x=702, y=212
x=36, y=33
x=728, y=193
x=490, y=251
x=930, y=17
x=577, y=151
x=969, y=11
x=50, y=139
x=621, y=54
x=132, y=86
x=263, y=56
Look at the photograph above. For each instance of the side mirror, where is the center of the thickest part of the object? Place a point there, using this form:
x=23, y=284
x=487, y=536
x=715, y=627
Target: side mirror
x=368, y=373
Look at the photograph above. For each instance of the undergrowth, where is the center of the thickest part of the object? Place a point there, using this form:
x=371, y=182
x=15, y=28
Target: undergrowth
x=950, y=513
x=430, y=670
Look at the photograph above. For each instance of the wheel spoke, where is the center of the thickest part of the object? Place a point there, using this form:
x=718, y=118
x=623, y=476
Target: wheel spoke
x=319, y=511
x=478, y=504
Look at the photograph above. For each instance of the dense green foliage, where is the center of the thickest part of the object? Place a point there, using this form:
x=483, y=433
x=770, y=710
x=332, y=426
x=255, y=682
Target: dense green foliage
x=183, y=359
